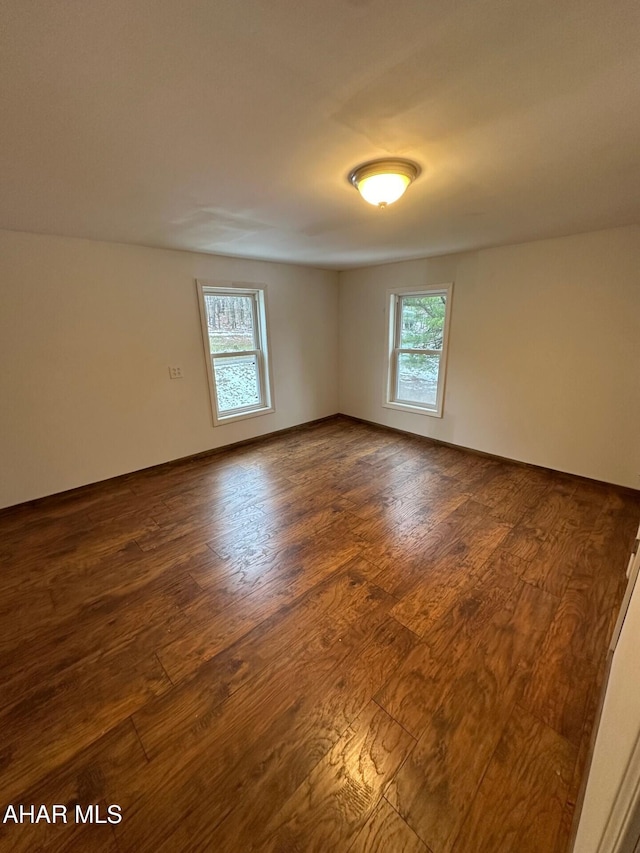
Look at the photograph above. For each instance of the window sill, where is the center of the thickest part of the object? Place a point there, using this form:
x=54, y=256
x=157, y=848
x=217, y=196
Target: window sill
x=220, y=420
x=415, y=410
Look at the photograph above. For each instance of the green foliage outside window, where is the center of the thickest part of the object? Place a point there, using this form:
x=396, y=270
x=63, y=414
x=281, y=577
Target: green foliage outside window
x=422, y=327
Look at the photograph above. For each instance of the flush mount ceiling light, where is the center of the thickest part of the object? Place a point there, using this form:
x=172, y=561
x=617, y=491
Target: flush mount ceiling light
x=381, y=182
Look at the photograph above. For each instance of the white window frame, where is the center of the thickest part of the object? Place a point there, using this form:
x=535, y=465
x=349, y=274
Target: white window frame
x=393, y=321
x=258, y=293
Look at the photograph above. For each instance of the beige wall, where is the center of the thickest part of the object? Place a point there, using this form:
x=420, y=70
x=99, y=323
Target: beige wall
x=544, y=355
x=87, y=332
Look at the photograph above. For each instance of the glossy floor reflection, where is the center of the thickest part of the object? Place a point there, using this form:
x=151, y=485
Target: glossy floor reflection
x=339, y=638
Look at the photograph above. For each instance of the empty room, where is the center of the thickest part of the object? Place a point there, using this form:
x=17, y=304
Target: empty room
x=320, y=490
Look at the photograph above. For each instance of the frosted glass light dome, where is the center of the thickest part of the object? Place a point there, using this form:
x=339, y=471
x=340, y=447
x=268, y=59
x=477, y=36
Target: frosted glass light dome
x=381, y=182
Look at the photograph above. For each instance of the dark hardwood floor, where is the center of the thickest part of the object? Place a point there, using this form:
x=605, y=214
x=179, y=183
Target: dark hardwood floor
x=336, y=639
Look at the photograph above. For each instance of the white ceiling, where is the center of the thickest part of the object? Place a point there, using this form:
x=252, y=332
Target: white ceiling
x=229, y=126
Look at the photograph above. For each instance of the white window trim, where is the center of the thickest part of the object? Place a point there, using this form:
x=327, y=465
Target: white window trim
x=259, y=292
x=392, y=318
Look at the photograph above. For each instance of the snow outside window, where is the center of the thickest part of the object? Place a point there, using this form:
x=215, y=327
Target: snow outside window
x=234, y=332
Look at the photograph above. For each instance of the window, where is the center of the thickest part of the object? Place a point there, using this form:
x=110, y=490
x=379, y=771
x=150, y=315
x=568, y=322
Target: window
x=418, y=332
x=234, y=330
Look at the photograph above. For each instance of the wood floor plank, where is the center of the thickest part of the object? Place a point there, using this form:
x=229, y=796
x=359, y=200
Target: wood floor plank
x=332, y=805
x=318, y=622
x=509, y=494
x=213, y=628
x=104, y=625
x=443, y=542
x=524, y=790
x=366, y=496
x=430, y=512
x=559, y=555
x=71, y=711
x=338, y=638
x=584, y=751
x=295, y=743
x=124, y=575
x=456, y=630
x=433, y=789
x=559, y=688
x=86, y=544
x=93, y=838
x=200, y=527
x=545, y=515
x=330, y=522
x=107, y=771
x=414, y=690
x=450, y=570
x=386, y=831
x=212, y=745
x=522, y=542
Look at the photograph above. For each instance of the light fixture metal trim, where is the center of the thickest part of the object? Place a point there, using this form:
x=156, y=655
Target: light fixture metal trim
x=406, y=170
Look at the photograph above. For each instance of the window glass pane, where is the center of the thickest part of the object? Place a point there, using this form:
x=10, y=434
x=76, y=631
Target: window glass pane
x=422, y=321
x=237, y=382
x=230, y=322
x=417, y=378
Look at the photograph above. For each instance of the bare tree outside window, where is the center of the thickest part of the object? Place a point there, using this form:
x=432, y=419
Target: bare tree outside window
x=235, y=338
